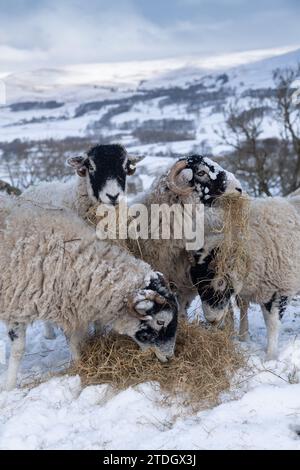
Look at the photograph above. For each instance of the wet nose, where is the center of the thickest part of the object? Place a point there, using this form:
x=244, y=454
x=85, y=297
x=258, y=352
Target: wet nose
x=239, y=190
x=113, y=198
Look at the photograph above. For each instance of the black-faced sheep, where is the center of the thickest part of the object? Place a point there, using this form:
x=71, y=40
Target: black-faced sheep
x=53, y=268
x=102, y=175
x=192, y=180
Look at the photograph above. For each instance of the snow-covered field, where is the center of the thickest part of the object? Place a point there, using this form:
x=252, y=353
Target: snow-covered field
x=262, y=411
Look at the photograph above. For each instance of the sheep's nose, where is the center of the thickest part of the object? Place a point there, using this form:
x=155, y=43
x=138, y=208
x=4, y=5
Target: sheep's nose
x=113, y=199
x=239, y=190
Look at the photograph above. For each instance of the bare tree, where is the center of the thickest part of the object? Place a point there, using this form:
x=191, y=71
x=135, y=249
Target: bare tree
x=288, y=112
x=28, y=162
x=243, y=133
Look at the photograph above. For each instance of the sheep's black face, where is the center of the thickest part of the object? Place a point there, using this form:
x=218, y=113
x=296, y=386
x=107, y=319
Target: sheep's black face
x=215, y=293
x=158, y=325
x=106, y=167
x=210, y=180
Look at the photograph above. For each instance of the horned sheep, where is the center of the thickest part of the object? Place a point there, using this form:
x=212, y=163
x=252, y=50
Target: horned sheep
x=54, y=268
x=194, y=180
x=191, y=180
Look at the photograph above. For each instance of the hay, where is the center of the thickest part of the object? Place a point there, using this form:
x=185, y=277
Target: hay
x=232, y=258
x=204, y=363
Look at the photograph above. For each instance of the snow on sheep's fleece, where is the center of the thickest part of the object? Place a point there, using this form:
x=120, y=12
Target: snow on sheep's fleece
x=261, y=412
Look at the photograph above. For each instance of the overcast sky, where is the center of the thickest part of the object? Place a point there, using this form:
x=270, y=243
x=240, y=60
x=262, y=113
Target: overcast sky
x=36, y=33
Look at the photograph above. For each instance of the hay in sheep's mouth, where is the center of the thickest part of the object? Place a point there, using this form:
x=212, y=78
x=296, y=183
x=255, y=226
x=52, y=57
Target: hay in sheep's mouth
x=204, y=364
x=232, y=255
x=232, y=259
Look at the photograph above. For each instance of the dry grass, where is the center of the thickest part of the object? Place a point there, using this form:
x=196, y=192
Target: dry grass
x=202, y=368
x=232, y=255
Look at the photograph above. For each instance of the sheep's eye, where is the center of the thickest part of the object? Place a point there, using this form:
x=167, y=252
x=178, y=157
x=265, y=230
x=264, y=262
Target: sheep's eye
x=201, y=173
x=160, y=322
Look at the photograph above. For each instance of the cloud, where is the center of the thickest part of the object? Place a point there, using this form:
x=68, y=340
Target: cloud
x=48, y=33
x=63, y=35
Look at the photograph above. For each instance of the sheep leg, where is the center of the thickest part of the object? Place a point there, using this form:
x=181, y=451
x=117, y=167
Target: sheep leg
x=229, y=319
x=98, y=328
x=272, y=321
x=76, y=339
x=17, y=336
x=273, y=312
x=244, y=324
x=49, y=331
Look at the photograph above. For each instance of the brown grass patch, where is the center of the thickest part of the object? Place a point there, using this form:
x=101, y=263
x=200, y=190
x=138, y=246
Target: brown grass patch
x=204, y=363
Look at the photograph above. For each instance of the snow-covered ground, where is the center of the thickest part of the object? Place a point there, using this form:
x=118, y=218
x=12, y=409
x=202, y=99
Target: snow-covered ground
x=262, y=411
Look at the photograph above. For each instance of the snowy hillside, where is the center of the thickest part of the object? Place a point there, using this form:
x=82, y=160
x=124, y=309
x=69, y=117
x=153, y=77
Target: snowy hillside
x=175, y=104
x=160, y=109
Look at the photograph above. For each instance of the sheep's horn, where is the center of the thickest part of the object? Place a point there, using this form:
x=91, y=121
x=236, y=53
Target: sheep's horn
x=151, y=295
x=155, y=297
x=171, y=179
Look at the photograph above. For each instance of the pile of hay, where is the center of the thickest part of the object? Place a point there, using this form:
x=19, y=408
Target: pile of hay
x=204, y=363
x=232, y=255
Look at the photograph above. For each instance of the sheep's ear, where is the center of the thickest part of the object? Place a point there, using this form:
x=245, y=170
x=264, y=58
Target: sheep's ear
x=79, y=164
x=132, y=163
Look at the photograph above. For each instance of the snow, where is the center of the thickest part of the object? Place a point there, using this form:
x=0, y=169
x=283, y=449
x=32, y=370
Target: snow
x=124, y=76
x=262, y=410
x=74, y=85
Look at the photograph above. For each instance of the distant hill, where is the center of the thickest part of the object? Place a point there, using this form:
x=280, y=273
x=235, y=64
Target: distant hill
x=159, y=106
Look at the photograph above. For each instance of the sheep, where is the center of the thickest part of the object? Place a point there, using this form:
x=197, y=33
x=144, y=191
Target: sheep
x=273, y=276
x=7, y=188
x=244, y=304
x=101, y=177
x=216, y=294
x=191, y=180
x=54, y=268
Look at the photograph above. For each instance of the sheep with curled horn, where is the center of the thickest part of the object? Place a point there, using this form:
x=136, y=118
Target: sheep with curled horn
x=191, y=180
x=53, y=268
